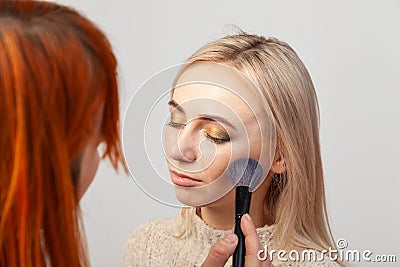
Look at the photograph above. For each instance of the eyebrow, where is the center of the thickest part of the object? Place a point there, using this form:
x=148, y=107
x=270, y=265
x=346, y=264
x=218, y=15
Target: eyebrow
x=176, y=105
x=209, y=117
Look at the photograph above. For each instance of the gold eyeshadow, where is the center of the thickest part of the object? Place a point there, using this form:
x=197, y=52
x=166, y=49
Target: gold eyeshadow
x=216, y=134
x=178, y=118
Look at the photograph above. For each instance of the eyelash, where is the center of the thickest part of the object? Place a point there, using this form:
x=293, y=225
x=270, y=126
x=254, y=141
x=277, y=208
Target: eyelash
x=217, y=141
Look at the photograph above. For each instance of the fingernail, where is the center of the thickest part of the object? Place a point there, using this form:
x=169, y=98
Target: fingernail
x=247, y=218
x=231, y=238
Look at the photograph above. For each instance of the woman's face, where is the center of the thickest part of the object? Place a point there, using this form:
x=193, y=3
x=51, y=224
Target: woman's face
x=212, y=123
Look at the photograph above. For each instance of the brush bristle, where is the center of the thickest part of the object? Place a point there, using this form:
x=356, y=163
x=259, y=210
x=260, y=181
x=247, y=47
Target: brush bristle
x=246, y=172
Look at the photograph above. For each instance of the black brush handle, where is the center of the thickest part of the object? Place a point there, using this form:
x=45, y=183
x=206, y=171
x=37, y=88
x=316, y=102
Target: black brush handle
x=242, y=206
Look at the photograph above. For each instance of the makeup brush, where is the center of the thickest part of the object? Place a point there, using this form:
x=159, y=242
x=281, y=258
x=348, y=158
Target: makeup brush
x=245, y=174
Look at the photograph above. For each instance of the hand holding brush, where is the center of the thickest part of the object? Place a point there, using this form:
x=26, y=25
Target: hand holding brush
x=245, y=174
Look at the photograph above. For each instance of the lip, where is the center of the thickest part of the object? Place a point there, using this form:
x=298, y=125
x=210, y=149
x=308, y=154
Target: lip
x=183, y=180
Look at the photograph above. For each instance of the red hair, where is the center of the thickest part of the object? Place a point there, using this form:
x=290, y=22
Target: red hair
x=57, y=71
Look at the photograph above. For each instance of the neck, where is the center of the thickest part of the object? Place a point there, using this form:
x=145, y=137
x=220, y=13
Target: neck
x=220, y=214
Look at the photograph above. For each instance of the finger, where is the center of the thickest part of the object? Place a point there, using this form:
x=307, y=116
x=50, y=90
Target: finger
x=253, y=245
x=221, y=251
x=252, y=241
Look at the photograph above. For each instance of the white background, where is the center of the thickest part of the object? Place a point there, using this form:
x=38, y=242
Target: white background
x=352, y=50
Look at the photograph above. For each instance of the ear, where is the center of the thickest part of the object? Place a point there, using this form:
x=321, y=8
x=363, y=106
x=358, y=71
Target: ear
x=278, y=165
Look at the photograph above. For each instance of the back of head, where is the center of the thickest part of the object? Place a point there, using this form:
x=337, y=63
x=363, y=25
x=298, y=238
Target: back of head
x=57, y=71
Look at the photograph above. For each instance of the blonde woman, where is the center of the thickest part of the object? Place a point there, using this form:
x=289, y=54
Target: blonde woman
x=288, y=208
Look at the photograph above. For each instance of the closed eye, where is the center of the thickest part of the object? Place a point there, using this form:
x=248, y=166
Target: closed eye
x=216, y=140
x=216, y=135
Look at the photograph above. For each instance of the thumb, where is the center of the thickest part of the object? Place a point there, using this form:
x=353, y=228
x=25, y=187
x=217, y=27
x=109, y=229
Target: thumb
x=221, y=251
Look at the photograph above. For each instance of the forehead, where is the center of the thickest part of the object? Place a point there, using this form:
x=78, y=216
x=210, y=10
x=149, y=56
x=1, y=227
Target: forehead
x=217, y=88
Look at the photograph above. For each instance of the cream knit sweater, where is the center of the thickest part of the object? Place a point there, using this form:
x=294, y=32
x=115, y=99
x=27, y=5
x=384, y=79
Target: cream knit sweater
x=153, y=244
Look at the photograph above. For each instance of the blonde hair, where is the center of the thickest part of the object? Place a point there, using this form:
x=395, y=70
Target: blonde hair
x=296, y=201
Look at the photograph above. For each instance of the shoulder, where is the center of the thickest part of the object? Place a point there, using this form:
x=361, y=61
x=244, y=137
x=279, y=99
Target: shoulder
x=146, y=237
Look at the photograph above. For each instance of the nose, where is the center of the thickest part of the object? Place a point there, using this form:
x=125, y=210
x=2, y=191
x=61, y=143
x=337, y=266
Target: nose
x=185, y=147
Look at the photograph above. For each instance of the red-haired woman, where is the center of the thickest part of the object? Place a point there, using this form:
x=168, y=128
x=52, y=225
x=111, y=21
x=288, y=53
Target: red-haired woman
x=58, y=102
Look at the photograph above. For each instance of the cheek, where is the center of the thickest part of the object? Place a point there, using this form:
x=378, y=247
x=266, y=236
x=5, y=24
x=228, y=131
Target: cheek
x=255, y=149
x=255, y=142
x=89, y=166
x=220, y=163
x=241, y=147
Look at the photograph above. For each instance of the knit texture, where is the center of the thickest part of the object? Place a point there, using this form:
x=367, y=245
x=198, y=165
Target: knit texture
x=154, y=244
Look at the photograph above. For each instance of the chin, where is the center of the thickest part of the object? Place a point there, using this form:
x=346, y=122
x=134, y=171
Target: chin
x=201, y=195
x=187, y=197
